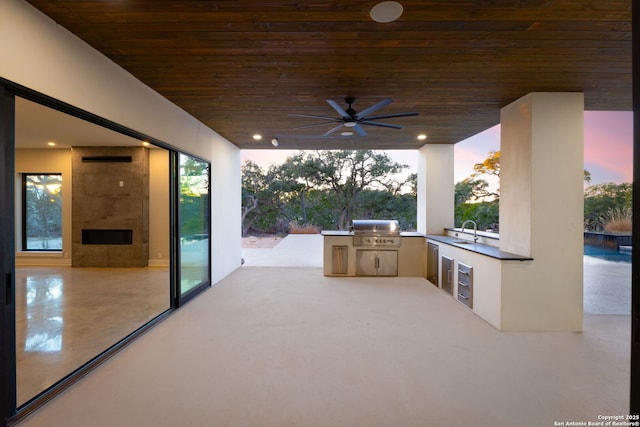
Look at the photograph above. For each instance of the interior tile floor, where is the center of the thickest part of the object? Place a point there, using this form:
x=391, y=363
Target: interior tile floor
x=66, y=316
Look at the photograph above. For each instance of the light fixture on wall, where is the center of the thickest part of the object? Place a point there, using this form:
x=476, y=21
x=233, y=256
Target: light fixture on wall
x=275, y=142
x=386, y=11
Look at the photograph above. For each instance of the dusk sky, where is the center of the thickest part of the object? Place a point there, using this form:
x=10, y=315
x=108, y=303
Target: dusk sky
x=608, y=149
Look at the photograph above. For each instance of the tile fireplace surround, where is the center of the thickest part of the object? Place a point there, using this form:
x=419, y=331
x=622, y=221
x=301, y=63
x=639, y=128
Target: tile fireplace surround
x=110, y=199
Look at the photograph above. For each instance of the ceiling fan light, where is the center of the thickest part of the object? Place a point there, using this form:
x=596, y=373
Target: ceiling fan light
x=350, y=124
x=386, y=11
x=346, y=133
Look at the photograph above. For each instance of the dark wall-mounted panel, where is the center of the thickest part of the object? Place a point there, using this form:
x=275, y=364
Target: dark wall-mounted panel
x=107, y=237
x=106, y=159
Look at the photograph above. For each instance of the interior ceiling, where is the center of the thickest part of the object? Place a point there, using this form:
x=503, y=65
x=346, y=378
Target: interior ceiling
x=242, y=67
x=37, y=125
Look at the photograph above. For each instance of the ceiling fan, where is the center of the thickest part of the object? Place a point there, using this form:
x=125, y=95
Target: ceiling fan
x=351, y=119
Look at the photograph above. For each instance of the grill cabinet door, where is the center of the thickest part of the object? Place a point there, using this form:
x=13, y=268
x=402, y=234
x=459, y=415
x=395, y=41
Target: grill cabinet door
x=366, y=263
x=387, y=263
x=376, y=263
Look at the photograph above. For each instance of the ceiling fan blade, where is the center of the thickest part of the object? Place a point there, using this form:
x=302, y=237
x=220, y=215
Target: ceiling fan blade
x=364, y=113
x=338, y=108
x=382, y=125
x=314, y=117
x=360, y=131
x=340, y=126
x=389, y=116
x=314, y=125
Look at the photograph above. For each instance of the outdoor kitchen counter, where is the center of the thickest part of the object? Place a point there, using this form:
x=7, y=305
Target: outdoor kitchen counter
x=479, y=248
x=350, y=233
x=340, y=256
x=336, y=233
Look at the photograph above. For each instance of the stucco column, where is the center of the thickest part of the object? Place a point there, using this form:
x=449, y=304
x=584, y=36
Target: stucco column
x=435, y=188
x=541, y=211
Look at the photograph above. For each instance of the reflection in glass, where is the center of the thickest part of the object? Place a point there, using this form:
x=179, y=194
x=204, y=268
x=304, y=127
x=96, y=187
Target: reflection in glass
x=194, y=222
x=44, y=317
x=67, y=314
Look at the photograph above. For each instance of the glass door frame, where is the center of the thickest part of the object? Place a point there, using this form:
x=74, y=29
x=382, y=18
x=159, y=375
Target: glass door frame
x=179, y=298
x=8, y=395
x=9, y=412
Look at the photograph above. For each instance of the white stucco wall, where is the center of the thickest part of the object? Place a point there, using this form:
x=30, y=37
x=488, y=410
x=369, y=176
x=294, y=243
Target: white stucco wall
x=541, y=211
x=43, y=56
x=435, y=204
x=421, y=202
x=226, y=199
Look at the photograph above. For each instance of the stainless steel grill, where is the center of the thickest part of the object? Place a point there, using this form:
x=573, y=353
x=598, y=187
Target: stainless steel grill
x=376, y=232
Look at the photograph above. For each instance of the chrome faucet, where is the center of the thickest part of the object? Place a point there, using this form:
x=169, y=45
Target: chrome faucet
x=475, y=229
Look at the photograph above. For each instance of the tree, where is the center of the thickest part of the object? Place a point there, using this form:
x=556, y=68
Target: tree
x=194, y=195
x=346, y=174
x=326, y=189
x=261, y=197
x=490, y=166
x=601, y=199
x=473, y=198
x=470, y=189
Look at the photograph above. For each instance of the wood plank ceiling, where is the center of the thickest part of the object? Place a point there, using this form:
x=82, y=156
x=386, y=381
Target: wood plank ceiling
x=243, y=66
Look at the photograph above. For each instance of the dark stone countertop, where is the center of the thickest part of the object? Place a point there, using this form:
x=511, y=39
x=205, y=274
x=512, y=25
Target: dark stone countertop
x=479, y=248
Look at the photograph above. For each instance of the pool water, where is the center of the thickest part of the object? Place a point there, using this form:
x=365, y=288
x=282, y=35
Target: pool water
x=607, y=253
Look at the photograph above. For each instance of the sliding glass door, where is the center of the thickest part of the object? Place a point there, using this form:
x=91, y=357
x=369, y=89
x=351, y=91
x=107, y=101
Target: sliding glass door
x=74, y=290
x=194, y=225
x=92, y=233
x=7, y=268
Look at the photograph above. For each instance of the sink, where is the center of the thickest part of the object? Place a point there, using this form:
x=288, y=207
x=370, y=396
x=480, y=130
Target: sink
x=462, y=242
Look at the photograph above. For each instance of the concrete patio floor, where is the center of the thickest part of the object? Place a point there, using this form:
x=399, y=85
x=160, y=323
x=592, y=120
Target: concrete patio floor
x=277, y=344
x=607, y=284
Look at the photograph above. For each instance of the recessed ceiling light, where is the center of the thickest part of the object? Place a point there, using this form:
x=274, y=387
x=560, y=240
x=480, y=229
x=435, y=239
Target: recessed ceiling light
x=145, y=143
x=386, y=11
x=422, y=137
x=257, y=137
x=51, y=144
x=346, y=133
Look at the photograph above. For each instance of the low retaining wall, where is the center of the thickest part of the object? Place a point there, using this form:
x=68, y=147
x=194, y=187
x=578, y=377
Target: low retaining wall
x=607, y=240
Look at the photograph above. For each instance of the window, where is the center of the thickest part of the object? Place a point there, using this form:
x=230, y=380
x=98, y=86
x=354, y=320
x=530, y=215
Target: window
x=42, y=212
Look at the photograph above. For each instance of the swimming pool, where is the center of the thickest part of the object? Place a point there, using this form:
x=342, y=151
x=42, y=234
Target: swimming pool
x=607, y=253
